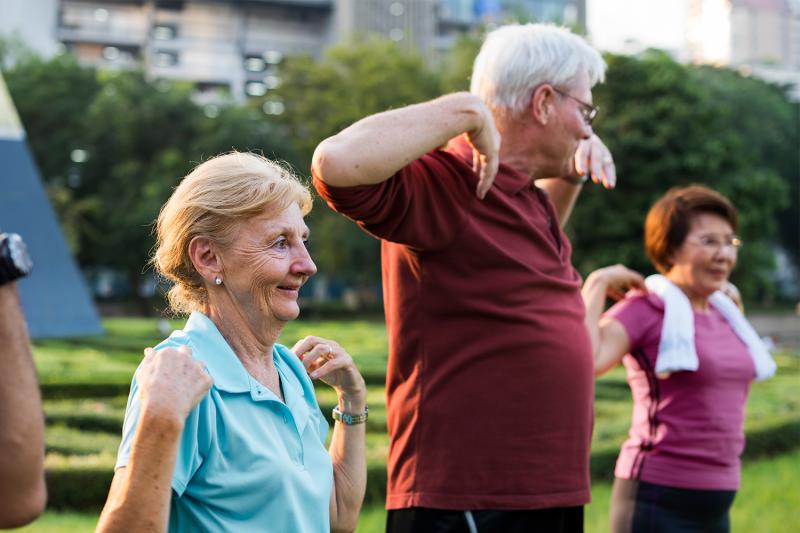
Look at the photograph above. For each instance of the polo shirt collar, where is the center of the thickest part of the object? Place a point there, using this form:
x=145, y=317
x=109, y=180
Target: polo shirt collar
x=210, y=346
x=230, y=375
x=508, y=180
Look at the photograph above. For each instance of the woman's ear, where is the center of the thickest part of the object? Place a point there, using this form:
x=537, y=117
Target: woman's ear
x=205, y=258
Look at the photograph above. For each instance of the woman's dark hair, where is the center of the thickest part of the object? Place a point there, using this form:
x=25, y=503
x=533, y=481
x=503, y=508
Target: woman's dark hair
x=669, y=220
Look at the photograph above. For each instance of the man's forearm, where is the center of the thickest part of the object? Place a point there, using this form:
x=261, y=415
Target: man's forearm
x=563, y=193
x=22, y=489
x=374, y=148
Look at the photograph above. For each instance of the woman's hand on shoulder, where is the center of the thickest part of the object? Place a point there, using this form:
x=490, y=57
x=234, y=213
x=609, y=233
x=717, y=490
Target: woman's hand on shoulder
x=326, y=360
x=617, y=279
x=171, y=382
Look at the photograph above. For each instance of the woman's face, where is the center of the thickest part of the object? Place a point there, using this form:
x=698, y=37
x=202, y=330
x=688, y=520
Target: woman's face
x=266, y=265
x=706, y=258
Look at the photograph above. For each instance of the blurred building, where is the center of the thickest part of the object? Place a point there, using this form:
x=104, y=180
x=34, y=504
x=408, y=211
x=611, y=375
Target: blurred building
x=758, y=37
x=238, y=45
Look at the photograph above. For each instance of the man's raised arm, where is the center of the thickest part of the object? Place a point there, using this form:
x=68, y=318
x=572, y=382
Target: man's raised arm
x=374, y=148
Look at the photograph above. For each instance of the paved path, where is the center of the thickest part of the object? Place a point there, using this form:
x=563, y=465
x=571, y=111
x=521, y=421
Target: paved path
x=783, y=329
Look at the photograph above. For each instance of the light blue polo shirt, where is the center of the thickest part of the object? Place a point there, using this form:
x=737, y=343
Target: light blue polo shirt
x=246, y=461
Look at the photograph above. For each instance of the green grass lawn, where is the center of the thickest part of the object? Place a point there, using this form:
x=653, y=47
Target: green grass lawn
x=768, y=501
x=83, y=426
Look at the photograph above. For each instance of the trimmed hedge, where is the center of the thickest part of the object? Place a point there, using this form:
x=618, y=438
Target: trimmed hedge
x=87, y=488
x=87, y=422
x=61, y=391
x=82, y=489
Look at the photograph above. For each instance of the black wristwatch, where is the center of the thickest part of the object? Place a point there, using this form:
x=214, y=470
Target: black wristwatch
x=15, y=262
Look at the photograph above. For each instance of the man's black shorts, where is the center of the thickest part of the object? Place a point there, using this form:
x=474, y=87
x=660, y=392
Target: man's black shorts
x=423, y=520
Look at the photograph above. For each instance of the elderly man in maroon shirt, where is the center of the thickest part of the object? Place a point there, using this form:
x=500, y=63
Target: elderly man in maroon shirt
x=490, y=378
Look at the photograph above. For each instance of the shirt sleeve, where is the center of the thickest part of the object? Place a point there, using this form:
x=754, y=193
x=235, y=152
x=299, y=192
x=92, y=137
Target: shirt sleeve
x=189, y=458
x=422, y=206
x=638, y=313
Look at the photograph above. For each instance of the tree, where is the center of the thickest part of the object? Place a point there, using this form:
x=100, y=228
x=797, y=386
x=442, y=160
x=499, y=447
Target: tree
x=323, y=97
x=669, y=125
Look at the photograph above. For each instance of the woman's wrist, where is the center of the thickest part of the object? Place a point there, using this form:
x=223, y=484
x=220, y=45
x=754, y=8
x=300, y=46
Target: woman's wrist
x=353, y=402
x=596, y=280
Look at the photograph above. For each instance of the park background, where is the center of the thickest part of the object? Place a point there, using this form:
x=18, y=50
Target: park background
x=111, y=144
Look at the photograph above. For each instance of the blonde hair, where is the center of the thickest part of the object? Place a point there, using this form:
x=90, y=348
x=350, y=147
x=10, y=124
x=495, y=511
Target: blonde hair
x=211, y=201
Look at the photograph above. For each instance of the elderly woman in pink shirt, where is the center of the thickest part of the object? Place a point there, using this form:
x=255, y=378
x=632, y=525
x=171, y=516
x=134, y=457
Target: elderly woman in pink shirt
x=689, y=364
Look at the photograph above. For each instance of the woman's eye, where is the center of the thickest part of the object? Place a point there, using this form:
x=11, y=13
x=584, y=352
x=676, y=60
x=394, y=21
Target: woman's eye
x=281, y=244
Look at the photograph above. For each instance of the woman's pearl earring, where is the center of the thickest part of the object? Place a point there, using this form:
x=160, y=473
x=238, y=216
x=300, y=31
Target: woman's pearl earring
x=217, y=280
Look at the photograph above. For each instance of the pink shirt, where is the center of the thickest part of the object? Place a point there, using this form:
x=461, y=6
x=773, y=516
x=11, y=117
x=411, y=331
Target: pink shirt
x=687, y=430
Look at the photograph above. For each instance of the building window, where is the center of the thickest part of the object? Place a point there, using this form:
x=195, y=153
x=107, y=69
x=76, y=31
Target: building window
x=254, y=64
x=273, y=106
x=272, y=82
x=255, y=88
x=111, y=53
x=165, y=58
x=164, y=32
x=272, y=57
x=101, y=15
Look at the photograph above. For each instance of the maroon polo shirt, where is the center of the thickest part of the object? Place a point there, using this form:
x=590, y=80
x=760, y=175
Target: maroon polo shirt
x=490, y=376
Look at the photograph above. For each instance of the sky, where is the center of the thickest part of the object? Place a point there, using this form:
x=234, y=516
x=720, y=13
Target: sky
x=655, y=23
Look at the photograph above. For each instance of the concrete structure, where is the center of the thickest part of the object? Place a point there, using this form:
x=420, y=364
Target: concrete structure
x=36, y=32
x=237, y=46
x=758, y=37
x=54, y=297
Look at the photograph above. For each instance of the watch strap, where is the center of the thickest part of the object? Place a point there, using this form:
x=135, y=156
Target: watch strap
x=350, y=419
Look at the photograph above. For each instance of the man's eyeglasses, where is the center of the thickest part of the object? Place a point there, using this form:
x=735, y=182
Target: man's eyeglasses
x=588, y=111
x=714, y=243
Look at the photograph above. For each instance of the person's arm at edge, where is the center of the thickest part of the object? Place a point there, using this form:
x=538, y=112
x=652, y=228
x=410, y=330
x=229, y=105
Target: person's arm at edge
x=610, y=341
x=22, y=488
x=171, y=383
x=373, y=149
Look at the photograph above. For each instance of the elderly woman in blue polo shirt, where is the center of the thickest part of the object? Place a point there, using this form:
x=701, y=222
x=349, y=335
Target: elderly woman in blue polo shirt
x=222, y=430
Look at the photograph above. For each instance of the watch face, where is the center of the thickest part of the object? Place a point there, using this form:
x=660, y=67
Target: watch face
x=19, y=254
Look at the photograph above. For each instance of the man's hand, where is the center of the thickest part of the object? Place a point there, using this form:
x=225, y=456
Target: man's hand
x=592, y=156
x=171, y=383
x=485, y=142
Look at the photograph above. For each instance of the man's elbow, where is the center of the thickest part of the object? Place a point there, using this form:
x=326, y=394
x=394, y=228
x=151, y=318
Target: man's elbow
x=327, y=163
x=24, y=508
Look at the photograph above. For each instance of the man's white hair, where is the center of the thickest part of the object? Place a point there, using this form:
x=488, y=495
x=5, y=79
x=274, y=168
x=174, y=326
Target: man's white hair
x=515, y=59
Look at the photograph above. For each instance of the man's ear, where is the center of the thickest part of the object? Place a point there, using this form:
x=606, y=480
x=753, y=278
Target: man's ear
x=541, y=104
x=205, y=258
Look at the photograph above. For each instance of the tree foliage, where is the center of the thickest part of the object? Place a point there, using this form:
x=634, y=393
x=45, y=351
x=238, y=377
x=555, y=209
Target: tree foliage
x=667, y=124
x=325, y=96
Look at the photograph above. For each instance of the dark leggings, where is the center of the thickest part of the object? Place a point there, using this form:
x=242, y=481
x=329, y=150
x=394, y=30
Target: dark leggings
x=661, y=509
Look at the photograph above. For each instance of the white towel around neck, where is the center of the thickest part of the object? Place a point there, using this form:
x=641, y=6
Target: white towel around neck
x=676, y=350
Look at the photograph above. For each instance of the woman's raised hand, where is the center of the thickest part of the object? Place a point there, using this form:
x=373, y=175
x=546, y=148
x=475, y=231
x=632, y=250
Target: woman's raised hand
x=324, y=359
